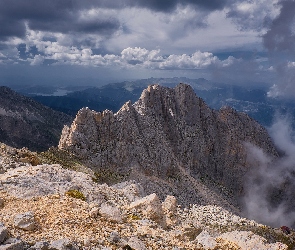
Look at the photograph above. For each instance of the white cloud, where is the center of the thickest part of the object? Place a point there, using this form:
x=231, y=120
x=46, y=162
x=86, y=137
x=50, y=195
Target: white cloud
x=198, y=60
x=37, y=60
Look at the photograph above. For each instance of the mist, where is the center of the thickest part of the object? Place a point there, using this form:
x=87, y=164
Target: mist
x=270, y=184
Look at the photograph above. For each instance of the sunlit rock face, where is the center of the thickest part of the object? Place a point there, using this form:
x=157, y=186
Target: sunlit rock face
x=171, y=142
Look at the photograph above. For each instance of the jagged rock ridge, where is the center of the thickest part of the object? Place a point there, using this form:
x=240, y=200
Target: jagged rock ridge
x=26, y=123
x=171, y=142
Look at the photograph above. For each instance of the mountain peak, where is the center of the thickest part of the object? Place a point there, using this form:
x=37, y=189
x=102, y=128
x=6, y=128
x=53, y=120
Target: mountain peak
x=171, y=142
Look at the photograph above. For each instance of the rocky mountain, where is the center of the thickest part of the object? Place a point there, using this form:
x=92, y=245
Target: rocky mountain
x=171, y=142
x=50, y=207
x=27, y=123
x=174, y=170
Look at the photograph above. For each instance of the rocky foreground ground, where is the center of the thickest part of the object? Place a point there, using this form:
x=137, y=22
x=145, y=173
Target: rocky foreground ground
x=49, y=207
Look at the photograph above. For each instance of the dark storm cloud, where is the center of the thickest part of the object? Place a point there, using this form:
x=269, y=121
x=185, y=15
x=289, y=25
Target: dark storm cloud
x=170, y=5
x=156, y=5
x=72, y=24
x=63, y=16
x=53, y=15
x=10, y=28
x=281, y=35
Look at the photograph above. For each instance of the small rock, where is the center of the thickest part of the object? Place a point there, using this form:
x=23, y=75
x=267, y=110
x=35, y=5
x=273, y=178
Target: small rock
x=40, y=245
x=136, y=244
x=112, y=213
x=206, y=240
x=131, y=190
x=151, y=207
x=1, y=203
x=94, y=212
x=63, y=244
x=13, y=244
x=169, y=207
x=114, y=237
x=87, y=242
x=3, y=233
x=191, y=232
x=25, y=221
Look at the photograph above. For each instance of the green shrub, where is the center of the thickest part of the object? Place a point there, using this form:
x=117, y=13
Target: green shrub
x=76, y=194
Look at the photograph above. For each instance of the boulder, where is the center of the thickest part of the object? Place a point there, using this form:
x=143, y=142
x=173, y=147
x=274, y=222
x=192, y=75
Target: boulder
x=3, y=233
x=206, y=240
x=25, y=221
x=169, y=207
x=110, y=212
x=40, y=245
x=63, y=244
x=136, y=244
x=13, y=244
x=151, y=207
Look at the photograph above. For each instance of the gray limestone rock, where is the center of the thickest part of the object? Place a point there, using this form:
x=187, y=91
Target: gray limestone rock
x=114, y=237
x=110, y=212
x=3, y=233
x=25, y=221
x=63, y=244
x=40, y=245
x=13, y=244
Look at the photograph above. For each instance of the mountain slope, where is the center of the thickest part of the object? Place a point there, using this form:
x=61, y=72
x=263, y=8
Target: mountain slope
x=26, y=123
x=166, y=138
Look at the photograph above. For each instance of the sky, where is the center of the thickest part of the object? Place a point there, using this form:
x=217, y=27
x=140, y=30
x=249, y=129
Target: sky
x=94, y=42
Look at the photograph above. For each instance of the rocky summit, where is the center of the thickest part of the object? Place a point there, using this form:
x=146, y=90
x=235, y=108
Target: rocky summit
x=172, y=143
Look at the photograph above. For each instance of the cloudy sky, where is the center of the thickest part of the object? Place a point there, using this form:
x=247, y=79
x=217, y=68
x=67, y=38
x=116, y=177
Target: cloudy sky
x=100, y=41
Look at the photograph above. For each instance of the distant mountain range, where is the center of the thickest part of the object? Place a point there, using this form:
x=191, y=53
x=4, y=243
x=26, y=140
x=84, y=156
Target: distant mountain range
x=254, y=102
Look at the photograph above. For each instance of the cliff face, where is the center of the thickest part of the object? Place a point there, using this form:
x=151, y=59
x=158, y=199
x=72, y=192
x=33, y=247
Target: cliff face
x=26, y=123
x=171, y=142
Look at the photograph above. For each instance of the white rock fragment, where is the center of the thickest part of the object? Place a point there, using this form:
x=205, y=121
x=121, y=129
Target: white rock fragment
x=112, y=213
x=151, y=207
x=131, y=190
x=136, y=244
x=25, y=221
x=169, y=207
x=207, y=241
